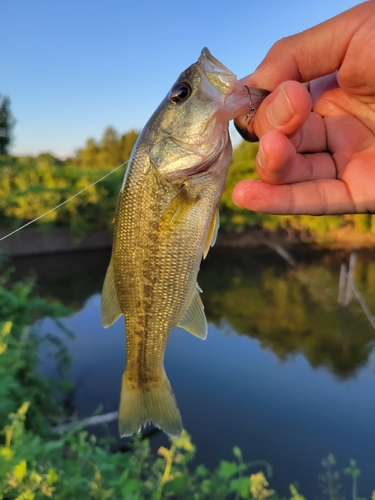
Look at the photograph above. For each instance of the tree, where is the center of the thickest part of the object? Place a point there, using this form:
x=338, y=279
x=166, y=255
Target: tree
x=110, y=152
x=6, y=125
x=127, y=142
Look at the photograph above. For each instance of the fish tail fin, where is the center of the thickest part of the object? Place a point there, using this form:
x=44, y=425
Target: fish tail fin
x=155, y=404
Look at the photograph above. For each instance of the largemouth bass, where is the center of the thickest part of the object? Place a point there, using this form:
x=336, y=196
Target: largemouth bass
x=166, y=220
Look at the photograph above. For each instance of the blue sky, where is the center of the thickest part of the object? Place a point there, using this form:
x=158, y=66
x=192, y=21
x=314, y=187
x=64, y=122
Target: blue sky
x=73, y=67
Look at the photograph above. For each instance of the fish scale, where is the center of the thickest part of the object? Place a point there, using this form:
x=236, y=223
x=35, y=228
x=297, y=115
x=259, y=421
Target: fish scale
x=166, y=220
x=142, y=266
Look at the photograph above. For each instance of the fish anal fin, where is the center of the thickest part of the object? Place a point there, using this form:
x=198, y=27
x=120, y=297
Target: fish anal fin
x=212, y=232
x=141, y=405
x=110, y=307
x=194, y=319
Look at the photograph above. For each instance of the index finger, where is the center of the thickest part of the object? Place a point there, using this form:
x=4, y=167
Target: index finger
x=318, y=197
x=310, y=54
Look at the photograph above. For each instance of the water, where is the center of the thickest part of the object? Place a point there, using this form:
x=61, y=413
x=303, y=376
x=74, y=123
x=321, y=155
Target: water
x=285, y=373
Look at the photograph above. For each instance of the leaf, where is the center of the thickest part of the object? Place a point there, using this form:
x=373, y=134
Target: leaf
x=178, y=485
x=53, y=445
x=295, y=494
x=22, y=410
x=241, y=486
x=184, y=442
x=227, y=469
x=131, y=486
x=19, y=470
x=164, y=452
x=259, y=486
x=26, y=495
x=352, y=470
x=52, y=476
x=6, y=453
x=201, y=471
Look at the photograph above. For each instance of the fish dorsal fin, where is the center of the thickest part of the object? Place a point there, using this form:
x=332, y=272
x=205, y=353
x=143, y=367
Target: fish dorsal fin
x=194, y=320
x=212, y=233
x=110, y=307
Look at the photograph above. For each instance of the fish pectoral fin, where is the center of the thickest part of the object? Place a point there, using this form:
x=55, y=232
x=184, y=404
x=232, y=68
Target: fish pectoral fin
x=212, y=232
x=194, y=319
x=176, y=211
x=110, y=307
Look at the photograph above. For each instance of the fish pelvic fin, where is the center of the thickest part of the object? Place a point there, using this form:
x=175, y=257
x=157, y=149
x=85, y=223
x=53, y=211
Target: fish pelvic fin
x=110, y=307
x=156, y=404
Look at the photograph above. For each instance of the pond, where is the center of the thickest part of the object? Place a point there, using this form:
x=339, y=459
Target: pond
x=285, y=373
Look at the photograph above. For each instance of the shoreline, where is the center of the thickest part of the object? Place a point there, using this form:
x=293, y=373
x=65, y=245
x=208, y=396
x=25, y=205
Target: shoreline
x=42, y=241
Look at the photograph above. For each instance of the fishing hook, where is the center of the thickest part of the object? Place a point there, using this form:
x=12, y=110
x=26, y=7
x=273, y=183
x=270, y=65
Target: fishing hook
x=250, y=115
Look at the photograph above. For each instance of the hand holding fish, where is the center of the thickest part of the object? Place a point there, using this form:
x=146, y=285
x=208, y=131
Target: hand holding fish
x=317, y=137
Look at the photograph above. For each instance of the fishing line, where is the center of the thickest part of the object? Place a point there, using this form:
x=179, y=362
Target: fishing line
x=63, y=203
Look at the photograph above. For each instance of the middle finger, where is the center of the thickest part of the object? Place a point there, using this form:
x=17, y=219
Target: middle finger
x=312, y=137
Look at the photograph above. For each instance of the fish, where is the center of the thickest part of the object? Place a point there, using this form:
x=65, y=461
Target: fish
x=166, y=220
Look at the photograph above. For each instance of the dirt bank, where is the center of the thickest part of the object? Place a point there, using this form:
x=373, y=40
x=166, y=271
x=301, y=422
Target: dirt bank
x=36, y=241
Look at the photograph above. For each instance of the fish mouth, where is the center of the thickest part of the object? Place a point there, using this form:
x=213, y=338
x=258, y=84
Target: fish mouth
x=218, y=75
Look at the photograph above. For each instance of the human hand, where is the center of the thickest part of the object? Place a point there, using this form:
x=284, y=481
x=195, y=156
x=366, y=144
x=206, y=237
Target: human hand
x=317, y=137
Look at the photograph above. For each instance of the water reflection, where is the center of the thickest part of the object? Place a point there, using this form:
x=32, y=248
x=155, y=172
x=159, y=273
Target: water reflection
x=289, y=311
x=70, y=278
x=292, y=311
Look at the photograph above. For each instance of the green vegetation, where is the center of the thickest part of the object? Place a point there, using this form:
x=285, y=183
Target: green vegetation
x=34, y=464
x=111, y=151
x=29, y=187
x=74, y=466
x=18, y=348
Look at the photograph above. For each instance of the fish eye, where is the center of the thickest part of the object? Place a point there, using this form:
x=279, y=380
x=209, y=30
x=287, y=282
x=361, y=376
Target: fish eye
x=180, y=92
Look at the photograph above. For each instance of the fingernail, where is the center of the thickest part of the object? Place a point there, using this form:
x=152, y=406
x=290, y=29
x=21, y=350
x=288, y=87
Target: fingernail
x=243, y=193
x=280, y=111
x=234, y=201
x=238, y=193
x=261, y=156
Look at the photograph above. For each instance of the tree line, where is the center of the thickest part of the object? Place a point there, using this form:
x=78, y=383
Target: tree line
x=112, y=150
x=30, y=186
